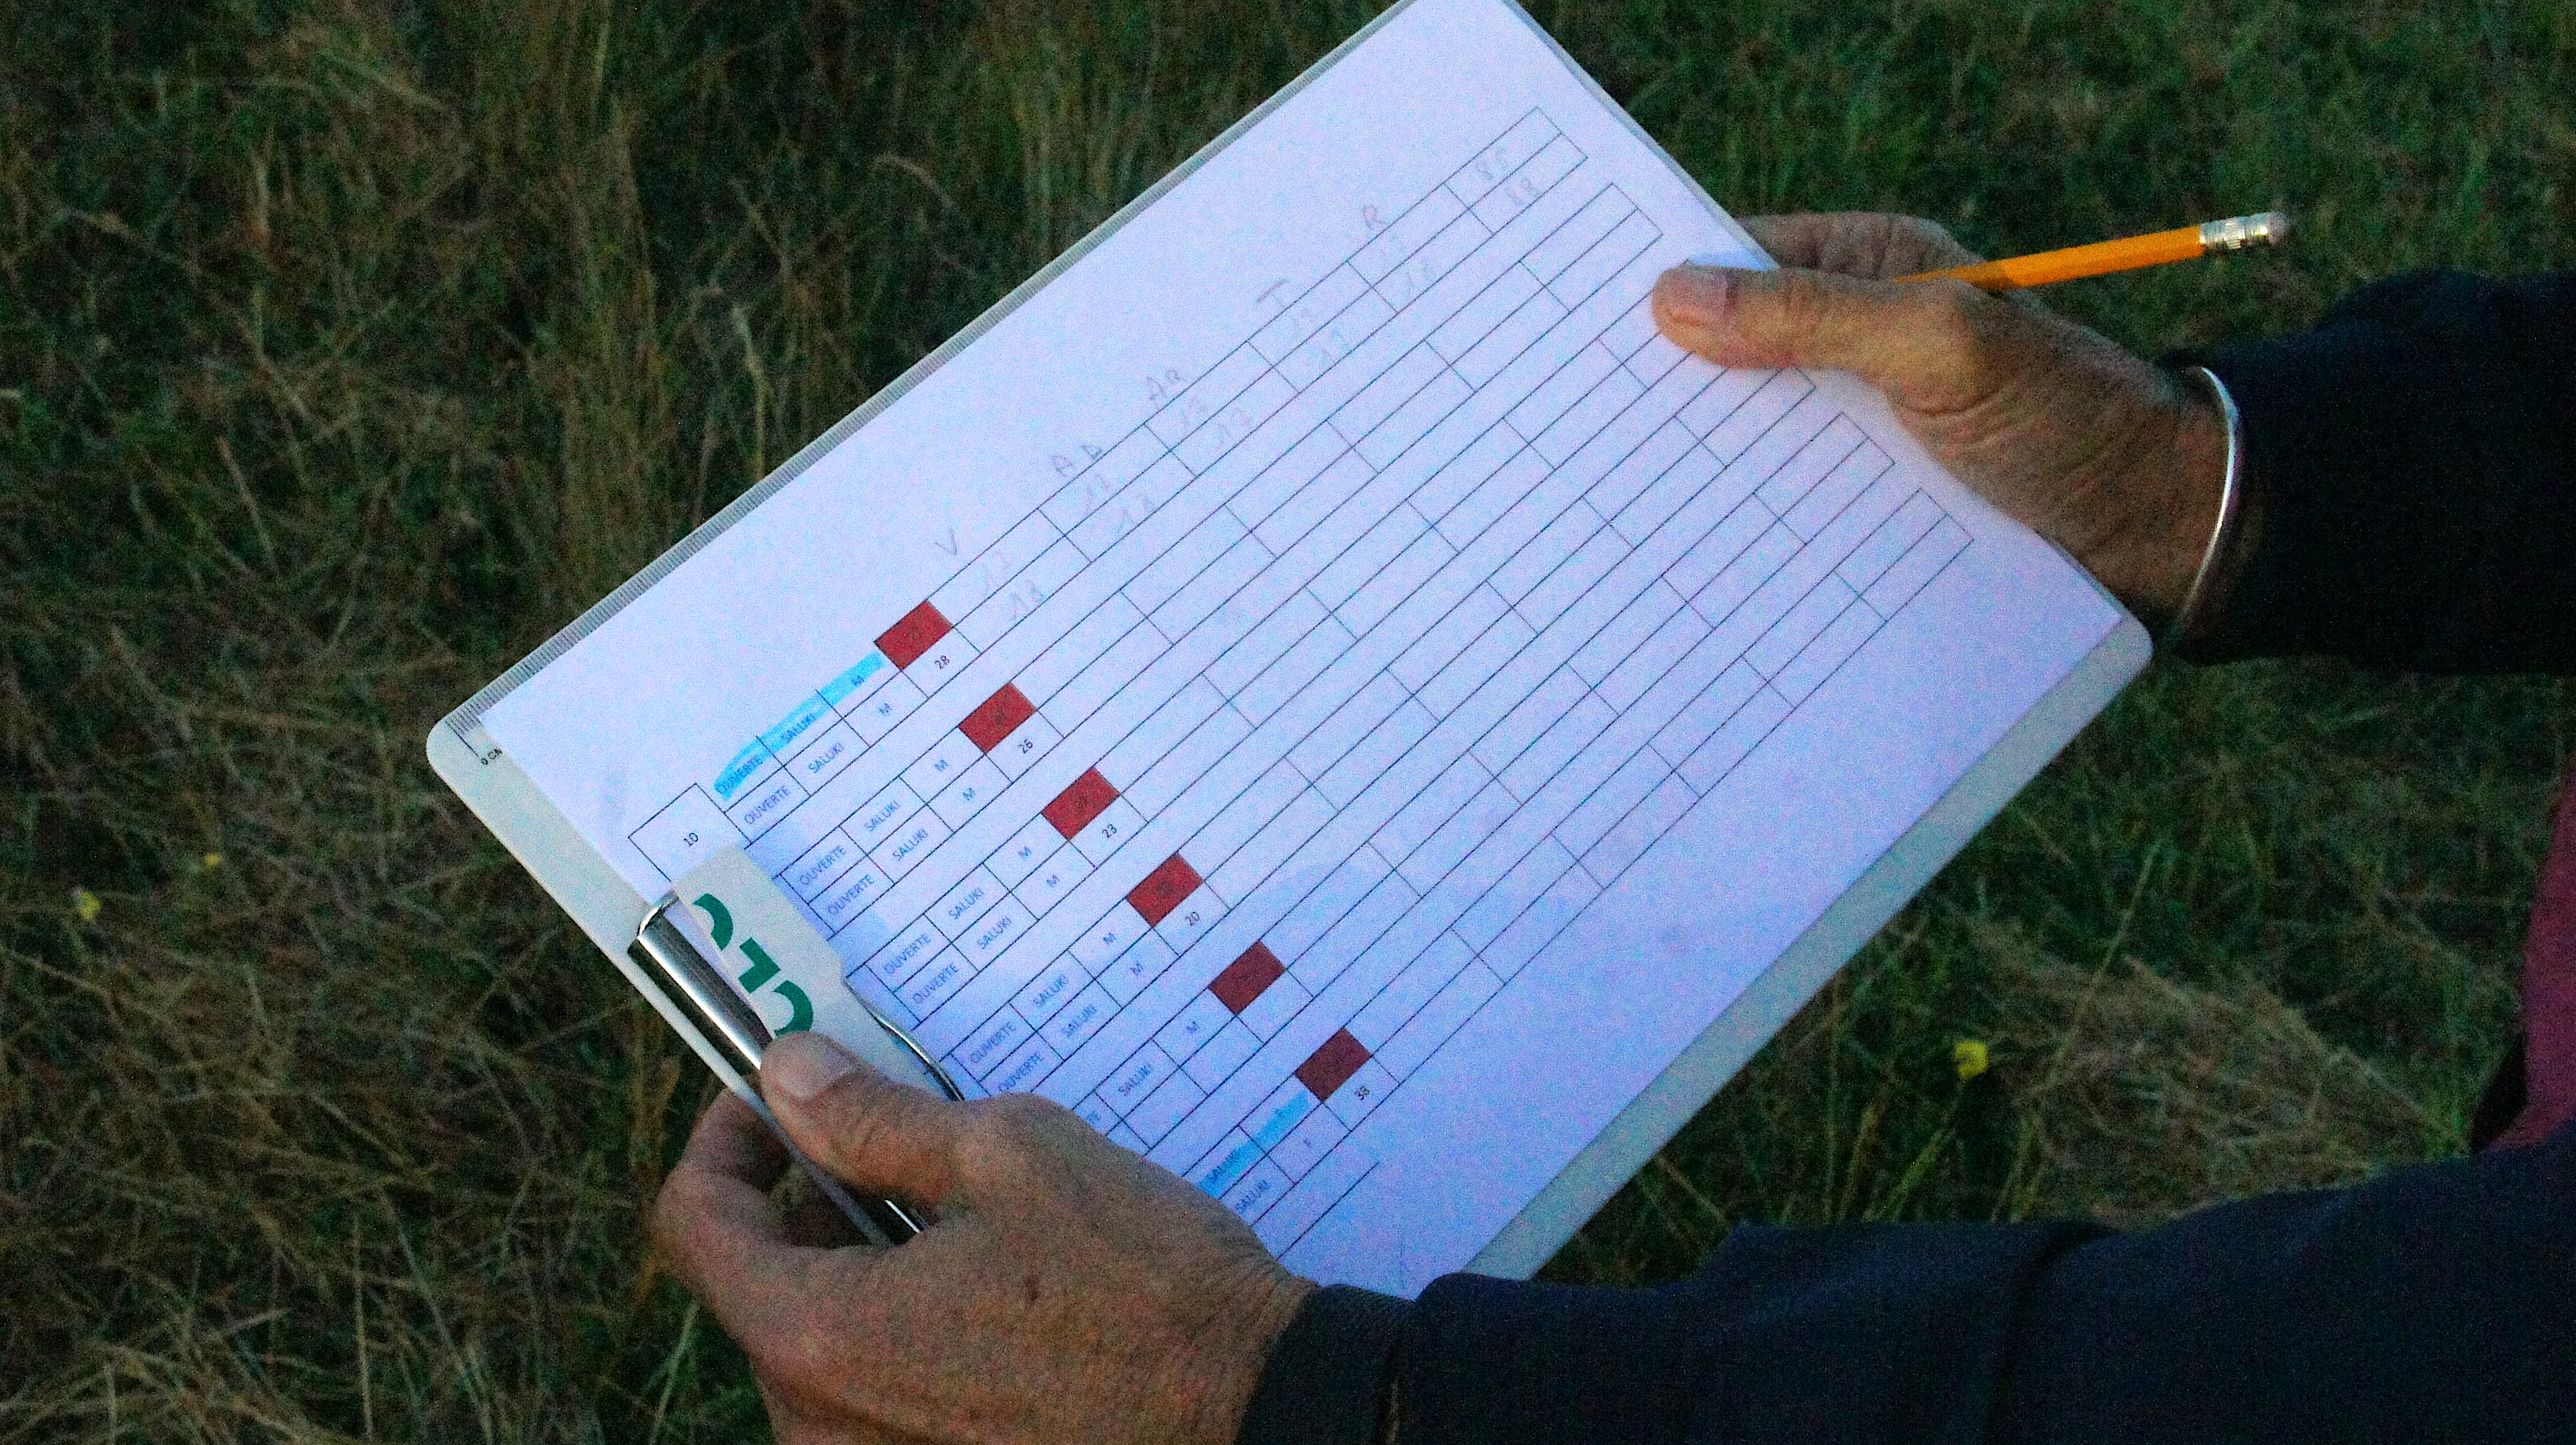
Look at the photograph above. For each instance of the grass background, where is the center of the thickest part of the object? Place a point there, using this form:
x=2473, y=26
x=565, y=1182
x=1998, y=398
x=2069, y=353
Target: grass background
x=347, y=349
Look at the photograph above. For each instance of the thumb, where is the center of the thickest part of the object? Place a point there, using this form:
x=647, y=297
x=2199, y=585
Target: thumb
x=871, y=1133
x=1899, y=338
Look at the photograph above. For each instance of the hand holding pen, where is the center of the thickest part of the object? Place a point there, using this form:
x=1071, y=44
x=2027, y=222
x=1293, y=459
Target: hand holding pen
x=2124, y=464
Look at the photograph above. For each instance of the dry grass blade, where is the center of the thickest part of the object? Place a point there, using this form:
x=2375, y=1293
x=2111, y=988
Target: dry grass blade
x=2169, y=1095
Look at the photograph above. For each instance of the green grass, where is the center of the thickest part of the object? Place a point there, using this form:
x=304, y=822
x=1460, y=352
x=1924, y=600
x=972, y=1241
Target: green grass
x=346, y=350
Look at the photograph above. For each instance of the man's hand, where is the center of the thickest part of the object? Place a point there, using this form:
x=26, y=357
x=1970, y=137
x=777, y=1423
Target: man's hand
x=2101, y=453
x=1068, y=1290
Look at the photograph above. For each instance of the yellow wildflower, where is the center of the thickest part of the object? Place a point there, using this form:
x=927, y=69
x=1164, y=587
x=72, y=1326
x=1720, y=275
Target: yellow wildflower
x=211, y=861
x=85, y=905
x=1970, y=1056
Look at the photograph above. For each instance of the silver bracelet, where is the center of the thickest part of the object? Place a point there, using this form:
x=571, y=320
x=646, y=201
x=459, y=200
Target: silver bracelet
x=2227, y=494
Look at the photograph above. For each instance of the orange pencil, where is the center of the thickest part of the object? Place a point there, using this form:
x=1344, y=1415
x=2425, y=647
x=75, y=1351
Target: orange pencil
x=2184, y=243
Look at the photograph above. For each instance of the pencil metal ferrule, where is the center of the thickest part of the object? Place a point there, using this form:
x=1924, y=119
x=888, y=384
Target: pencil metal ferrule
x=2266, y=228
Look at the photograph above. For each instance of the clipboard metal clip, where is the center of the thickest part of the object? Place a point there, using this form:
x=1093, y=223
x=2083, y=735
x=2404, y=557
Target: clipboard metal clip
x=666, y=947
x=663, y=944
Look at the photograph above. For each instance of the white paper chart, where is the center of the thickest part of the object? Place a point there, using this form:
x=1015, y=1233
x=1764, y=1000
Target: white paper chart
x=1212, y=774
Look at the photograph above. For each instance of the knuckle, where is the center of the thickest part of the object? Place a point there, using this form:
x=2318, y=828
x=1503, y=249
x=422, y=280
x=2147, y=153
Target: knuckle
x=1978, y=342
x=1952, y=315
x=782, y=1359
x=1025, y=1118
x=664, y=1227
x=1005, y=1133
x=993, y=1132
x=1928, y=242
x=1022, y=1106
x=1931, y=233
x=1800, y=301
x=804, y=1347
x=682, y=1229
x=673, y=1214
x=860, y=1132
x=803, y=1355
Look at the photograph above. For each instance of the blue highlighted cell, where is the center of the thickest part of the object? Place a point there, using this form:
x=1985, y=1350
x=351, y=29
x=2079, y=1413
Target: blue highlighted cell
x=1220, y=1176
x=1282, y=1119
x=839, y=689
x=782, y=738
x=750, y=763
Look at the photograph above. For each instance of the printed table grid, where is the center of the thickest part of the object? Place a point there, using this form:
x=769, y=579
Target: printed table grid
x=1110, y=820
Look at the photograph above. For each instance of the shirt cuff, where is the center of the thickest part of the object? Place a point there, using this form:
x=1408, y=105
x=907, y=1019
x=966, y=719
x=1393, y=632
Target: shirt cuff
x=1856, y=1332
x=1325, y=1382
x=2405, y=468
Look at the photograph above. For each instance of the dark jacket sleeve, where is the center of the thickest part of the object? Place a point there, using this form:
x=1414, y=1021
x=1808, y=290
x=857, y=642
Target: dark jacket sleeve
x=2411, y=470
x=2437, y=1302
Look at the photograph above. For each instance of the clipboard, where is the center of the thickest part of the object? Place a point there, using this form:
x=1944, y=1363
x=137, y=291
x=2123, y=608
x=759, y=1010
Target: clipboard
x=611, y=911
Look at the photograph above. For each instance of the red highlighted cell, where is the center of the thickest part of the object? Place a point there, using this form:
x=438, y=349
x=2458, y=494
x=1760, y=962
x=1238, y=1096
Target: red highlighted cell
x=1331, y=1066
x=1163, y=889
x=918, y=632
x=999, y=717
x=1075, y=807
x=1246, y=977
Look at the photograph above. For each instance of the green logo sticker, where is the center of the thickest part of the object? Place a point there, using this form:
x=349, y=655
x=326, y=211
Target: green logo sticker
x=763, y=970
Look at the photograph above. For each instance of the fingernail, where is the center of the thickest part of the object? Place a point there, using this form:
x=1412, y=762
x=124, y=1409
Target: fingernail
x=801, y=1065
x=1694, y=290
